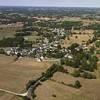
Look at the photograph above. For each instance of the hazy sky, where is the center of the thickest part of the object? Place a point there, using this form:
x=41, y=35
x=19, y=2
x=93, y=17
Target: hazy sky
x=65, y=3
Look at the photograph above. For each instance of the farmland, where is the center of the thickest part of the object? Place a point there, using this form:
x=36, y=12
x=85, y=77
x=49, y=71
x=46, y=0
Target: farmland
x=55, y=52
x=15, y=75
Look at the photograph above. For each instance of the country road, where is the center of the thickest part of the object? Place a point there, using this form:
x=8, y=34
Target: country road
x=13, y=93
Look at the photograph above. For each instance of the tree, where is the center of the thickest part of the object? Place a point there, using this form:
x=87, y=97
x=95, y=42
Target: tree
x=88, y=75
x=49, y=72
x=2, y=51
x=69, y=24
x=77, y=84
x=97, y=43
x=97, y=33
x=76, y=73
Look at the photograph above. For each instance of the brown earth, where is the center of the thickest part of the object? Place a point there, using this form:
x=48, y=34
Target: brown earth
x=81, y=38
x=15, y=75
x=50, y=90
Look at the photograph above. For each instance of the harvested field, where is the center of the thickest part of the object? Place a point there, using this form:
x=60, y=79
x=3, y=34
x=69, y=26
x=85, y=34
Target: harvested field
x=8, y=32
x=77, y=38
x=15, y=75
x=50, y=90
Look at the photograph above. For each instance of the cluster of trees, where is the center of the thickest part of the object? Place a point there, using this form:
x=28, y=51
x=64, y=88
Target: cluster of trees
x=96, y=38
x=97, y=43
x=2, y=51
x=97, y=33
x=84, y=74
x=26, y=31
x=15, y=42
x=98, y=51
x=55, y=54
x=23, y=33
x=50, y=24
x=50, y=72
x=69, y=24
x=84, y=60
x=95, y=26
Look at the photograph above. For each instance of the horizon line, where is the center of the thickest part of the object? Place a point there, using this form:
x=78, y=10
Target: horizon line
x=50, y=6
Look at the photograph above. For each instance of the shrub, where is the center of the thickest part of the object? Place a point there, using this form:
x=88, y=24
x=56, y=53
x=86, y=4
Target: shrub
x=77, y=84
x=62, y=61
x=98, y=52
x=73, y=46
x=26, y=98
x=89, y=62
x=88, y=75
x=97, y=33
x=53, y=95
x=76, y=73
x=49, y=73
x=30, y=83
x=2, y=51
x=70, y=24
x=97, y=43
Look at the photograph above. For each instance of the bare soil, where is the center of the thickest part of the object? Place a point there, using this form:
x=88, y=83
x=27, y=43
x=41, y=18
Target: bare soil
x=15, y=75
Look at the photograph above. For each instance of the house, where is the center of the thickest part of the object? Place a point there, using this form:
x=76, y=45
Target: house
x=69, y=56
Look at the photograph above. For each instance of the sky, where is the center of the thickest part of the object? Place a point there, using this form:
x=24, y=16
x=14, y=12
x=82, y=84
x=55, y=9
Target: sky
x=51, y=3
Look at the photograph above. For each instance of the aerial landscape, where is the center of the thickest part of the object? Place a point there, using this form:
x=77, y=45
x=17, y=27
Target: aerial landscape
x=49, y=51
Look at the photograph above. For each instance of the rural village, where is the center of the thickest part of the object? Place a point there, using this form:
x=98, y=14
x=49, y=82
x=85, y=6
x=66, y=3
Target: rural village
x=49, y=53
